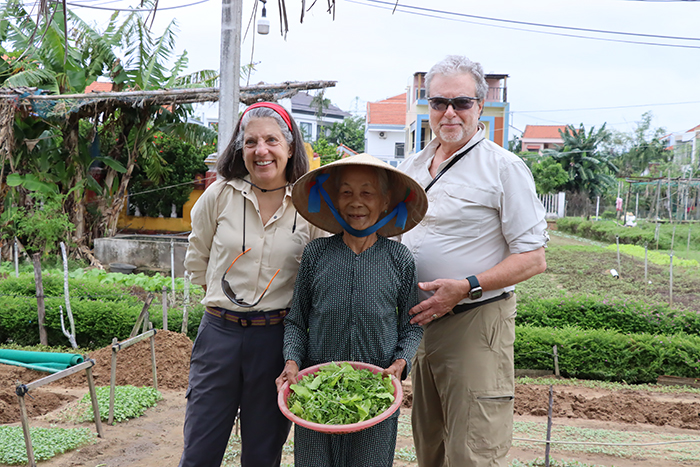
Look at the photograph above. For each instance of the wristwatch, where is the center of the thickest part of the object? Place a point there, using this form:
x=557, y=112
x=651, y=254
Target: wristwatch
x=475, y=291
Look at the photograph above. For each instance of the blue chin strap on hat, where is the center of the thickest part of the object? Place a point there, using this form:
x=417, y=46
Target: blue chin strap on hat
x=317, y=191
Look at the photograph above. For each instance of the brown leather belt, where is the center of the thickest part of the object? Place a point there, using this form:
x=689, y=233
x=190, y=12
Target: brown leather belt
x=470, y=306
x=250, y=318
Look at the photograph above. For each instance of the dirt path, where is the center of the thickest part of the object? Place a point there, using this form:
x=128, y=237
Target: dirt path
x=155, y=439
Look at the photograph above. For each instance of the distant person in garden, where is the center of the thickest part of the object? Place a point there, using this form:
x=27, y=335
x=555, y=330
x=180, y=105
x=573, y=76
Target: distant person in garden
x=353, y=293
x=484, y=232
x=244, y=249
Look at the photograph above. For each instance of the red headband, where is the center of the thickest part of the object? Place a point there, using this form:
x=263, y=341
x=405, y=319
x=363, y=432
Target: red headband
x=276, y=107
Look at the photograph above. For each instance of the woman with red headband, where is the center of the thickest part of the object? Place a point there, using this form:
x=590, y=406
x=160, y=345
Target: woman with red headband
x=244, y=249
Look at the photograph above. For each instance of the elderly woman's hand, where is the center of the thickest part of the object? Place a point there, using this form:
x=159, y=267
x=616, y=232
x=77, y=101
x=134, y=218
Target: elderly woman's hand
x=396, y=368
x=290, y=372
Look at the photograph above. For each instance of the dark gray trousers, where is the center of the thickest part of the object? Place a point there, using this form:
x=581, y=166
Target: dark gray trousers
x=234, y=367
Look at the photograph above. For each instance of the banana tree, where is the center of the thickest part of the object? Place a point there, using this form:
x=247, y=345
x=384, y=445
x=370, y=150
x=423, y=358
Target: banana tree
x=44, y=62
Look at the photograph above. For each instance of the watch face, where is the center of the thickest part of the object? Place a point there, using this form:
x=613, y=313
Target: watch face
x=475, y=293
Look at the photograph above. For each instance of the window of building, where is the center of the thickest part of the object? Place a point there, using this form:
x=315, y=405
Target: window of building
x=323, y=132
x=305, y=128
x=398, y=150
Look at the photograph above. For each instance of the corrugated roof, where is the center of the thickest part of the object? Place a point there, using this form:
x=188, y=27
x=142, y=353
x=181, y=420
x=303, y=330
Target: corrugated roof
x=543, y=131
x=391, y=111
x=301, y=102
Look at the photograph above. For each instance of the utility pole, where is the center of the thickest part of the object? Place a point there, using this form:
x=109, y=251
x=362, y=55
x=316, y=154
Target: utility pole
x=230, y=66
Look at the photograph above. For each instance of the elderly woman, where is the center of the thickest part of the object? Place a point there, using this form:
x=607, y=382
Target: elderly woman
x=238, y=350
x=353, y=293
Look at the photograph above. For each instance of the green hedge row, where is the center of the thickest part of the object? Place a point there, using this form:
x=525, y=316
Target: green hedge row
x=623, y=316
x=53, y=284
x=607, y=230
x=608, y=355
x=96, y=321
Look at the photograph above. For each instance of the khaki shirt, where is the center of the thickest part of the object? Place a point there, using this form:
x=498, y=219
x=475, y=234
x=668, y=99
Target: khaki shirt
x=483, y=209
x=219, y=232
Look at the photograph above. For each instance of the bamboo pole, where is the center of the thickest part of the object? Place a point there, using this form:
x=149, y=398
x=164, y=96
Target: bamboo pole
x=549, y=426
x=670, y=280
x=112, y=380
x=95, y=406
x=41, y=310
x=670, y=199
x=153, y=356
x=185, y=316
x=69, y=312
x=16, y=258
x=287, y=85
x=25, y=427
x=172, y=265
x=165, y=308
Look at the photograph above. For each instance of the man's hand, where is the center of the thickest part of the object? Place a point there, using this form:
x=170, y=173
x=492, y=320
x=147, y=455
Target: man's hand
x=290, y=372
x=448, y=293
x=395, y=368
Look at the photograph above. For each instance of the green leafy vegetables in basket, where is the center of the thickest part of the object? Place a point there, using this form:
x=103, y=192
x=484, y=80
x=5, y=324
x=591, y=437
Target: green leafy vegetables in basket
x=340, y=395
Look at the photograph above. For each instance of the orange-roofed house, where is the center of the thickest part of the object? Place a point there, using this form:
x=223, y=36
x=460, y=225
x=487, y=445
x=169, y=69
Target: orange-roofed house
x=537, y=138
x=385, y=129
x=98, y=86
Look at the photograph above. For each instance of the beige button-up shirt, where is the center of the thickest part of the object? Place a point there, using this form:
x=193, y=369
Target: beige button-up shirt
x=225, y=218
x=483, y=209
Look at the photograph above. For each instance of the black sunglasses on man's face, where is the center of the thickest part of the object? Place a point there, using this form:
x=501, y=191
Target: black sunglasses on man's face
x=458, y=103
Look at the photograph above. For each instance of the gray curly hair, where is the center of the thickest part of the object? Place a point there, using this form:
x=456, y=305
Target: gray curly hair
x=455, y=65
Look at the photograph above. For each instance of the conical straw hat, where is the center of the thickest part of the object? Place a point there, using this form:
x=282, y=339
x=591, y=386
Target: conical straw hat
x=402, y=187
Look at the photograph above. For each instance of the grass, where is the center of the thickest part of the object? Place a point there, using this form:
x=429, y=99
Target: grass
x=46, y=442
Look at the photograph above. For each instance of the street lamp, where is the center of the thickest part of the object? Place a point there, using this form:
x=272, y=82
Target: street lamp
x=263, y=22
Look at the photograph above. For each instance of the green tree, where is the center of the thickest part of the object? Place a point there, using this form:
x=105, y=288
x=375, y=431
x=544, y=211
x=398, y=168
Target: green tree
x=515, y=145
x=133, y=58
x=351, y=133
x=549, y=176
x=182, y=161
x=325, y=150
x=641, y=147
x=590, y=169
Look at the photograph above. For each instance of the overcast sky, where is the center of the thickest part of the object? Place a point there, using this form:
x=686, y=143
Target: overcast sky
x=554, y=77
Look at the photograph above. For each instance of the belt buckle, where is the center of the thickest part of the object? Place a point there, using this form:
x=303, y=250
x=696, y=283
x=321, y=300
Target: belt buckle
x=246, y=320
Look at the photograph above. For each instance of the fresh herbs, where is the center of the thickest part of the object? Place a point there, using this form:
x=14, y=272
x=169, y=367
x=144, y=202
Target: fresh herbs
x=340, y=395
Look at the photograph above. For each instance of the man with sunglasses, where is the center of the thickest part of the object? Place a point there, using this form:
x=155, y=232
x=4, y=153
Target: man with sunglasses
x=483, y=233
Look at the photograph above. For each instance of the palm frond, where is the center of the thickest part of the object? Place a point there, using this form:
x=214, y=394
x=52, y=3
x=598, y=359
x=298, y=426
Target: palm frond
x=202, y=78
x=38, y=78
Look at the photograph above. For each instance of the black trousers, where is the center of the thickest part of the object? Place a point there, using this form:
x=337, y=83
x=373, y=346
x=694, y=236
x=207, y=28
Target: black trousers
x=232, y=367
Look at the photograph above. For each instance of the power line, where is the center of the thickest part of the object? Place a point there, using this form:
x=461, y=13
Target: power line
x=433, y=13
x=543, y=25
x=136, y=10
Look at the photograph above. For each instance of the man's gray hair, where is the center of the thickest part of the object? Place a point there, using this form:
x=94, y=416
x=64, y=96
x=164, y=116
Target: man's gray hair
x=459, y=65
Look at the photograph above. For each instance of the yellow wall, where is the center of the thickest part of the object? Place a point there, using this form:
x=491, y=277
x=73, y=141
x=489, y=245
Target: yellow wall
x=314, y=162
x=161, y=224
x=184, y=224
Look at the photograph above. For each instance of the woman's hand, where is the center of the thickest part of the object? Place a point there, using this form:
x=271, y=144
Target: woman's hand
x=290, y=372
x=396, y=368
